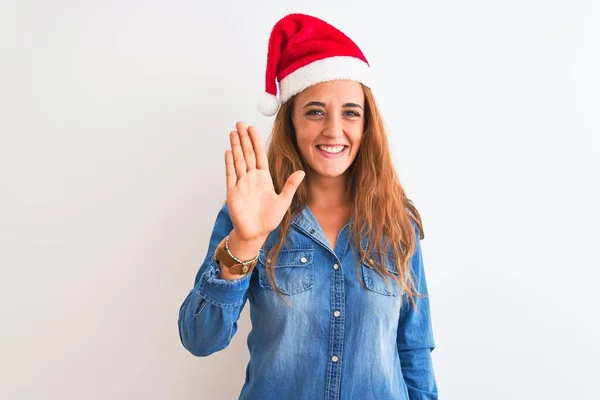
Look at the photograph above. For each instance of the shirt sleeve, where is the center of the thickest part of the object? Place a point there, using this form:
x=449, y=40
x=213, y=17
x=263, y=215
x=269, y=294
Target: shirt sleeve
x=209, y=314
x=415, y=336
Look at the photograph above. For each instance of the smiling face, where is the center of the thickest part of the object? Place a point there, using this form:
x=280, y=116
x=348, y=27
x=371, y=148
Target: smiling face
x=329, y=122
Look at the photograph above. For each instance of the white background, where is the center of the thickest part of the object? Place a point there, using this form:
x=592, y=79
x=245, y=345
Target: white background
x=114, y=119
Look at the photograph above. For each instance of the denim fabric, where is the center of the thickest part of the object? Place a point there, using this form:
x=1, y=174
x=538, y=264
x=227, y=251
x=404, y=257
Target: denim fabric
x=337, y=341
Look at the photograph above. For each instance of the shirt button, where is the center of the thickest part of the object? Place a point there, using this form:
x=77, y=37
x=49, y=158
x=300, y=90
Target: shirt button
x=335, y=266
x=334, y=359
x=312, y=231
x=336, y=313
x=303, y=260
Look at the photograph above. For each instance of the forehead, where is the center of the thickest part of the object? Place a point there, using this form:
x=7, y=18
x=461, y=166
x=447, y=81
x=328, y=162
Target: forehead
x=342, y=91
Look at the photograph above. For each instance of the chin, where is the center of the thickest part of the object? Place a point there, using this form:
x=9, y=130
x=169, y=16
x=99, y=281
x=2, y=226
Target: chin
x=330, y=174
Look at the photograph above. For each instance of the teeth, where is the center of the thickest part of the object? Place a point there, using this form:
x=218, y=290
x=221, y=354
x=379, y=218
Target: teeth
x=332, y=149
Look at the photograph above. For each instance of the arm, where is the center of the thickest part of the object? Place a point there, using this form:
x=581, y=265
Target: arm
x=415, y=337
x=208, y=316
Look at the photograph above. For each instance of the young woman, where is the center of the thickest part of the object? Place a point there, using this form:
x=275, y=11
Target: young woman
x=319, y=236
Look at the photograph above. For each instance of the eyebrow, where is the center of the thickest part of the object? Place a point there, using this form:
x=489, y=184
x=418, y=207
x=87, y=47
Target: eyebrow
x=321, y=104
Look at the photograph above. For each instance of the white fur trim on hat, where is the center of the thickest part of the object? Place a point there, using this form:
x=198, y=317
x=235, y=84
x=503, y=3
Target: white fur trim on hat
x=327, y=69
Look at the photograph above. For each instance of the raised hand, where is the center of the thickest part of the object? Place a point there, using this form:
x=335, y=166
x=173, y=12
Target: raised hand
x=254, y=206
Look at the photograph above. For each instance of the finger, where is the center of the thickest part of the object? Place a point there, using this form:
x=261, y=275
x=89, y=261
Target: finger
x=231, y=178
x=291, y=185
x=247, y=148
x=262, y=161
x=238, y=155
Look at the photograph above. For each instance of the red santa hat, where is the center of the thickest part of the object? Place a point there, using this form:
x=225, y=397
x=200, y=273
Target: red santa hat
x=303, y=51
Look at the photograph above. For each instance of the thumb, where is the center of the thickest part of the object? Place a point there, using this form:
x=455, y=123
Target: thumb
x=291, y=185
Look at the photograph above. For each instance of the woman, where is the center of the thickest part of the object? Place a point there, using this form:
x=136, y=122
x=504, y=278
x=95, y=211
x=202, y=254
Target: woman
x=331, y=265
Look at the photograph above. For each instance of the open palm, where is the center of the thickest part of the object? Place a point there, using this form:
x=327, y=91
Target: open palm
x=254, y=206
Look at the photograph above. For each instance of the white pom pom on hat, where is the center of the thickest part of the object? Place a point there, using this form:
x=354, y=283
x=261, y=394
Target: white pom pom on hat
x=303, y=51
x=268, y=105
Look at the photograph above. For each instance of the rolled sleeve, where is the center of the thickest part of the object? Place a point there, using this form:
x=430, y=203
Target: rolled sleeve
x=208, y=315
x=222, y=292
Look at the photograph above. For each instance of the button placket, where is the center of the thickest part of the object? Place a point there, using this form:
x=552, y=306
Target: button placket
x=336, y=341
x=306, y=222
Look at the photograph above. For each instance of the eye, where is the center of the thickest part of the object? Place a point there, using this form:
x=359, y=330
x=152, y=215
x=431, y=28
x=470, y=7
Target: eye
x=314, y=112
x=352, y=114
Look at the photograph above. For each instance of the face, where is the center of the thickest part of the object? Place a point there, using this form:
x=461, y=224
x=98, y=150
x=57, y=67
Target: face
x=329, y=123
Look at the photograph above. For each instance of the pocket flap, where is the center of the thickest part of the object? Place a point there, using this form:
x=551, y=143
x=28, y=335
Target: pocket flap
x=293, y=257
x=388, y=260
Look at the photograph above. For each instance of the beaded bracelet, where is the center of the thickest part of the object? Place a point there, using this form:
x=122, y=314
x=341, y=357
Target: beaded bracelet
x=235, y=258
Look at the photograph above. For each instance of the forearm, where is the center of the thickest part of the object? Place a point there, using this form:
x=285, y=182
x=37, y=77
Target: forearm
x=208, y=316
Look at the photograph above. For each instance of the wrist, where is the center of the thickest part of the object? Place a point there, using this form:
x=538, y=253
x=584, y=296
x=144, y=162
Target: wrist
x=244, y=249
x=232, y=267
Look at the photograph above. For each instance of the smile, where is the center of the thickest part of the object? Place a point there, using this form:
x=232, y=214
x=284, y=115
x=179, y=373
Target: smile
x=332, y=151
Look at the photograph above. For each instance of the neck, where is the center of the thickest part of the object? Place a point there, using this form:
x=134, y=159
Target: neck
x=327, y=193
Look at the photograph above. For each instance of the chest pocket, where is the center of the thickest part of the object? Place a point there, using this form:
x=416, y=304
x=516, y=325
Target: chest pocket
x=377, y=283
x=294, y=270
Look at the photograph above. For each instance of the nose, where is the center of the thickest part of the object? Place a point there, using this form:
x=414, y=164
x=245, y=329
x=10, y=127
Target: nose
x=333, y=126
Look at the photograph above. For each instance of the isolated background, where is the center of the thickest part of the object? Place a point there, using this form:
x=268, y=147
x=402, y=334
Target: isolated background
x=114, y=119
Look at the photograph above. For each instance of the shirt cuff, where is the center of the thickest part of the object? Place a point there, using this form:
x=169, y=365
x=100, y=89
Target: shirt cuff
x=222, y=292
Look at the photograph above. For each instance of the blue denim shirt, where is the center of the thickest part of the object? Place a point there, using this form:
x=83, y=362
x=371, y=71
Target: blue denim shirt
x=337, y=341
